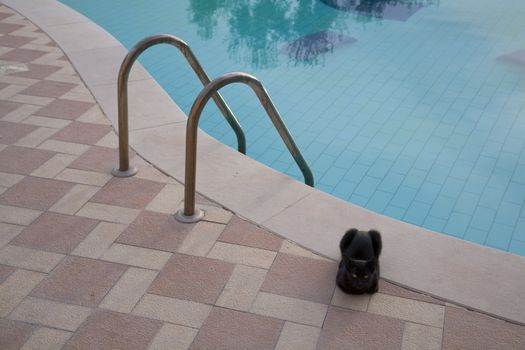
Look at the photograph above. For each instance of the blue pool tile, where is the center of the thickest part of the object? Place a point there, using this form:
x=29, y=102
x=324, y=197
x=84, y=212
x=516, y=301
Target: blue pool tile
x=442, y=207
x=438, y=174
x=462, y=169
x=466, y=203
x=515, y=193
x=457, y=224
x=415, y=178
x=391, y=182
x=452, y=187
x=435, y=224
x=428, y=193
x=356, y=173
x=416, y=213
x=508, y=213
x=517, y=247
x=491, y=198
x=379, y=201
x=367, y=186
x=395, y=212
x=403, y=164
x=476, y=183
x=332, y=177
x=475, y=235
x=380, y=168
x=359, y=200
x=344, y=189
x=519, y=230
x=483, y=218
x=500, y=179
x=499, y=236
x=403, y=197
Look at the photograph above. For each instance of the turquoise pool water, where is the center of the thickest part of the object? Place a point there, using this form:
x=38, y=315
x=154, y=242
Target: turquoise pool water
x=413, y=109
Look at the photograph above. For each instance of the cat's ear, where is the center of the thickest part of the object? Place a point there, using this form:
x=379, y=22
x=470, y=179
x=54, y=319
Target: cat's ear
x=347, y=239
x=376, y=242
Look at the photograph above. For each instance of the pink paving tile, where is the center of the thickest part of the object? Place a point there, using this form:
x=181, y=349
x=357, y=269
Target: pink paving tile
x=65, y=109
x=155, y=231
x=21, y=160
x=21, y=55
x=12, y=132
x=14, y=41
x=37, y=71
x=80, y=281
x=47, y=88
x=14, y=334
x=344, y=330
x=392, y=289
x=7, y=107
x=128, y=192
x=192, y=278
x=5, y=271
x=5, y=15
x=83, y=133
x=115, y=331
x=300, y=277
x=467, y=330
x=100, y=159
x=6, y=28
x=232, y=330
x=245, y=233
x=55, y=233
x=35, y=193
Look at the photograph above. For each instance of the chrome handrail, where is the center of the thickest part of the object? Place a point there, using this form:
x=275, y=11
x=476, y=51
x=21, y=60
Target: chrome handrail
x=124, y=169
x=188, y=214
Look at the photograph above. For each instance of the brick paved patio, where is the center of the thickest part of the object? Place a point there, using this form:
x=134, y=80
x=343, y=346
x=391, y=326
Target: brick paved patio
x=88, y=261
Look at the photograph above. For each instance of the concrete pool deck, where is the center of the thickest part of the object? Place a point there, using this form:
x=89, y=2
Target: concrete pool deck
x=453, y=270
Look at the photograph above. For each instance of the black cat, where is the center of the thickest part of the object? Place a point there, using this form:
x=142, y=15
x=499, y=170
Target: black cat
x=359, y=267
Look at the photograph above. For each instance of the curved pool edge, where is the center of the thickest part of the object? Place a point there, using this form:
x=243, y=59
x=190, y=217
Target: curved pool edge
x=471, y=275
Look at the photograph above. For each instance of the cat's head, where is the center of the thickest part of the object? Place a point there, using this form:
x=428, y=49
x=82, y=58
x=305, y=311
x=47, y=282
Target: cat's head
x=360, y=272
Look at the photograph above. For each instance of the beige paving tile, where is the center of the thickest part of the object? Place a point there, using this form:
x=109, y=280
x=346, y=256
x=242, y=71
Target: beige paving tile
x=135, y=256
x=84, y=177
x=64, y=147
x=297, y=336
x=407, y=309
x=290, y=309
x=21, y=113
x=242, y=288
x=182, y=312
x=33, y=100
x=242, y=255
x=420, y=337
x=216, y=214
x=47, y=339
x=108, y=213
x=99, y=240
x=8, y=232
x=167, y=200
x=9, y=92
x=18, y=216
x=8, y=180
x=36, y=137
x=94, y=115
x=16, y=287
x=50, y=313
x=148, y=172
x=201, y=239
x=3, y=189
x=128, y=290
x=352, y=302
x=11, y=79
x=173, y=337
x=293, y=249
x=54, y=166
x=109, y=141
x=30, y=259
x=74, y=199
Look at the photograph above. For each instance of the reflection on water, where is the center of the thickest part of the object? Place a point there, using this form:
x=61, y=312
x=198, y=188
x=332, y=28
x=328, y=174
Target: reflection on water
x=399, y=10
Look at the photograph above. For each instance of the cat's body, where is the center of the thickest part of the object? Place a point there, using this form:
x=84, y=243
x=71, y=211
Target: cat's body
x=358, y=271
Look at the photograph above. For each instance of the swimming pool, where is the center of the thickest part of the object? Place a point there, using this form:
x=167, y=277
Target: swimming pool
x=413, y=109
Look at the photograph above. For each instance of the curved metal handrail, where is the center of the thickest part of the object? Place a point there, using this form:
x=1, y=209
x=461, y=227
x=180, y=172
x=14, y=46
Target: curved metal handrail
x=188, y=214
x=124, y=169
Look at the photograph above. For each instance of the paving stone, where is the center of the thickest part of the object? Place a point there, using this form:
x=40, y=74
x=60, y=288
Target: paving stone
x=201, y=239
x=467, y=330
x=65, y=109
x=8, y=232
x=110, y=140
x=167, y=200
x=357, y=330
x=99, y=240
x=85, y=133
x=182, y=312
x=155, y=231
x=136, y=256
x=302, y=278
x=50, y=313
x=47, y=122
x=33, y=100
x=244, y=331
x=74, y=199
x=14, y=334
x=17, y=287
x=242, y=255
x=13, y=41
x=290, y=309
x=37, y=71
x=115, y=331
x=108, y=213
x=84, y=177
x=35, y=193
x=128, y=290
x=149, y=172
x=64, y=147
x=293, y=249
x=99, y=159
x=81, y=281
x=47, y=88
x=391, y=289
x=242, y=288
x=242, y=232
x=12, y=132
x=18, y=216
x=94, y=116
x=420, y=337
x=173, y=337
x=47, y=339
x=8, y=180
x=6, y=107
x=215, y=214
x=21, y=160
x=35, y=138
x=128, y=192
x=19, y=55
x=407, y=309
x=55, y=233
x=53, y=166
x=30, y=259
x=352, y=302
x=298, y=336
x=5, y=271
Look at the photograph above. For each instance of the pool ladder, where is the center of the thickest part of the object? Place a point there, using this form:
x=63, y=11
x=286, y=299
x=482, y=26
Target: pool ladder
x=189, y=213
